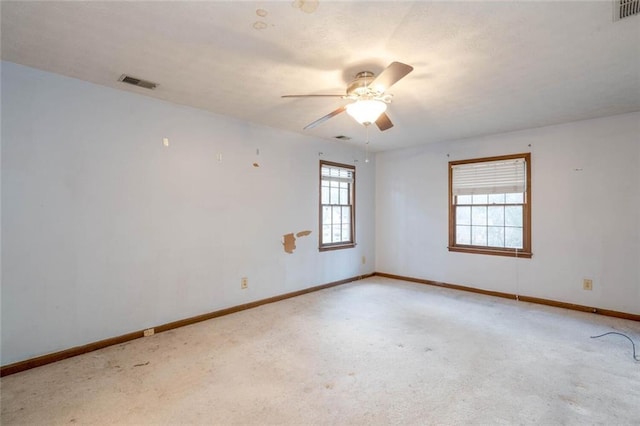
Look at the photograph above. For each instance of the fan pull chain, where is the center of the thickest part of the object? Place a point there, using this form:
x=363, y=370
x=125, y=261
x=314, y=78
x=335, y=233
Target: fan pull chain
x=366, y=155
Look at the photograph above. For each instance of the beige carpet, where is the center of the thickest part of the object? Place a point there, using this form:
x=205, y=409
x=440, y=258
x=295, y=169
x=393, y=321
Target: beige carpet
x=373, y=352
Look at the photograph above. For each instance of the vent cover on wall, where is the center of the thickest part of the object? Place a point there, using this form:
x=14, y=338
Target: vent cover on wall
x=137, y=82
x=625, y=8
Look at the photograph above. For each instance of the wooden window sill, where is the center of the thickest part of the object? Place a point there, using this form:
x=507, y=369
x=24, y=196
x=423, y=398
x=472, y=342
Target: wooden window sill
x=492, y=251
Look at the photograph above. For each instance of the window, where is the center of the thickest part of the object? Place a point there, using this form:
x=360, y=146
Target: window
x=490, y=205
x=337, y=205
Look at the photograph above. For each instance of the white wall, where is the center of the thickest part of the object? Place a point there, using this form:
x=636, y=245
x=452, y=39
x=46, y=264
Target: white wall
x=105, y=231
x=586, y=222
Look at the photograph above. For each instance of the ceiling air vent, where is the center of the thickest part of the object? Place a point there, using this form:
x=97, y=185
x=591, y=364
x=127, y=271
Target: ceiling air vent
x=625, y=8
x=137, y=82
x=343, y=137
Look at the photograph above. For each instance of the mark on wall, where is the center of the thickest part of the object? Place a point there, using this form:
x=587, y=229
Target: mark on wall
x=289, y=243
x=261, y=12
x=289, y=240
x=259, y=25
x=307, y=6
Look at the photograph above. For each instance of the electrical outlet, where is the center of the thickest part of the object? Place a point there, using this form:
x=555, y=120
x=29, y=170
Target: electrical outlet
x=587, y=284
x=149, y=332
x=244, y=282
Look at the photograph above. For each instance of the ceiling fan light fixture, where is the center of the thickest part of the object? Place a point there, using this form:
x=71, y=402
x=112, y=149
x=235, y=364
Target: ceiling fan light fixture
x=366, y=111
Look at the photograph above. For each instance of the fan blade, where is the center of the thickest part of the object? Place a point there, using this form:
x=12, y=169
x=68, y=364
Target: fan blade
x=384, y=122
x=312, y=96
x=325, y=118
x=390, y=76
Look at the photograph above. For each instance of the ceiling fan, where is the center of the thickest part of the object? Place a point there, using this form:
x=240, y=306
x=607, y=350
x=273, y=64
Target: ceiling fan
x=369, y=96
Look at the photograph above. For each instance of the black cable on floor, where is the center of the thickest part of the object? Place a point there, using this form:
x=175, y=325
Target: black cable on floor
x=623, y=335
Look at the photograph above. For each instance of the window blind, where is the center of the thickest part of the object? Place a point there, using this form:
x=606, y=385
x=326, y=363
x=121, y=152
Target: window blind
x=491, y=177
x=337, y=174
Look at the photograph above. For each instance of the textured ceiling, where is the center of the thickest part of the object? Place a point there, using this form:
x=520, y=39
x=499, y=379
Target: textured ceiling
x=480, y=67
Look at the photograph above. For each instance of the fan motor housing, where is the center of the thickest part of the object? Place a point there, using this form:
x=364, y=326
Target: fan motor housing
x=359, y=85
